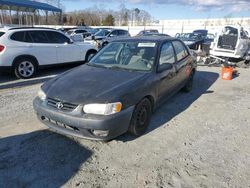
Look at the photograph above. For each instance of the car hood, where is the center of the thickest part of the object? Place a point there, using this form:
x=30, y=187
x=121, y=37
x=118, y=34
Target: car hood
x=87, y=84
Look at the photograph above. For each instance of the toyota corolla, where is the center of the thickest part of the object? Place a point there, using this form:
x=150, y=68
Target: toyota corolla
x=118, y=90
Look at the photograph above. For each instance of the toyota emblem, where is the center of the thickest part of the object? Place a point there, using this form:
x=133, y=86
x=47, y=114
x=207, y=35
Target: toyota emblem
x=59, y=105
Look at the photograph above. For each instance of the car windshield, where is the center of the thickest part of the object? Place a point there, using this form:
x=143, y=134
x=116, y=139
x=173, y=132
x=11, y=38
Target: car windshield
x=102, y=33
x=1, y=33
x=134, y=56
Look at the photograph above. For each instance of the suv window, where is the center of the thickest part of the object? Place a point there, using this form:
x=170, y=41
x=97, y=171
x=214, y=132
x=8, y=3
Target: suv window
x=38, y=36
x=181, y=50
x=55, y=37
x=167, y=54
x=18, y=36
x=21, y=36
x=2, y=33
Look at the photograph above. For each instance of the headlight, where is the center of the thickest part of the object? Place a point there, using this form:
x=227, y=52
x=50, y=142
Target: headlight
x=41, y=95
x=103, y=109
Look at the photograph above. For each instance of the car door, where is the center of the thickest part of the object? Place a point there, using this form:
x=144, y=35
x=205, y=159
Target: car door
x=40, y=47
x=166, y=71
x=66, y=50
x=183, y=62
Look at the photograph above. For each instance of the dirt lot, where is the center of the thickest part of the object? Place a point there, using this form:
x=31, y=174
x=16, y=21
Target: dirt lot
x=199, y=139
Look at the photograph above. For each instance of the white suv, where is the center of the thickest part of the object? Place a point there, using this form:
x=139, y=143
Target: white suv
x=24, y=50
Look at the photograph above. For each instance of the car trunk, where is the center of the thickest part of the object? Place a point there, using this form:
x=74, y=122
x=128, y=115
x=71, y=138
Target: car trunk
x=229, y=39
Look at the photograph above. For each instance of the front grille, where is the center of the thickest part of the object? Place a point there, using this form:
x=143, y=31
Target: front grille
x=66, y=106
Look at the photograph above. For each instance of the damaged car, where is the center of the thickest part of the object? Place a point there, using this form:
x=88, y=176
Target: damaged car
x=231, y=42
x=118, y=90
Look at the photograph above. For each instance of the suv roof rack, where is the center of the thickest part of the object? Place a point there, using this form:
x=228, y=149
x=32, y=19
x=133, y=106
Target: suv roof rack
x=14, y=28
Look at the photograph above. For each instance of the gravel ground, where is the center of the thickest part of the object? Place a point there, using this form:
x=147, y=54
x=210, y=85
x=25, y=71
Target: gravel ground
x=199, y=139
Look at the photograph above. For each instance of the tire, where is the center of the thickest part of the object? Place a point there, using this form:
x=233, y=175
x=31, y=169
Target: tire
x=89, y=55
x=189, y=85
x=104, y=44
x=141, y=117
x=25, y=68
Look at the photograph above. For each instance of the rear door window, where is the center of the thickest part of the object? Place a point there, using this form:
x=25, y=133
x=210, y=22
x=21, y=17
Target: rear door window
x=2, y=33
x=21, y=36
x=38, y=36
x=55, y=37
x=181, y=50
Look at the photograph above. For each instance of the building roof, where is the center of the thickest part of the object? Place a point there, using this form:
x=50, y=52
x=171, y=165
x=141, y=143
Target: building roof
x=27, y=5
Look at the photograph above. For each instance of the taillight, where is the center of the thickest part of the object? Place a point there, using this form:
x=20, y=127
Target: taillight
x=1, y=48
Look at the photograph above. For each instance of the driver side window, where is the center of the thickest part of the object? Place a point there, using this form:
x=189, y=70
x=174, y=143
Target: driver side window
x=167, y=54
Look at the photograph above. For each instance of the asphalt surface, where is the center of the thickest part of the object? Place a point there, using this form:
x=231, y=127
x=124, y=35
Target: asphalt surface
x=197, y=139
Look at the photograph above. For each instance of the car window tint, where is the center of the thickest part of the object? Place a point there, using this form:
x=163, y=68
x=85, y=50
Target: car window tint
x=121, y=32
x=38, y=36
x=18, y=36
x=180, y=49
x=27, y=37
x=80, y=31
x=167, y=54
x=56, y=37
x=114, y=33
x=2, y=33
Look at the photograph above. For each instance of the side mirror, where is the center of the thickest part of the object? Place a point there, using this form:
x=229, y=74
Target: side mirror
x=163, y=67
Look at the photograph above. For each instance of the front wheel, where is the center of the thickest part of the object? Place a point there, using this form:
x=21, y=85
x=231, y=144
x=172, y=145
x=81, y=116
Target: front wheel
x=141, y=117
x=25, y=68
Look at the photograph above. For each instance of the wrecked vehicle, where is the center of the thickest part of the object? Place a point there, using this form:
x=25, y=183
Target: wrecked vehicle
x=231, y=42
x=118, y=89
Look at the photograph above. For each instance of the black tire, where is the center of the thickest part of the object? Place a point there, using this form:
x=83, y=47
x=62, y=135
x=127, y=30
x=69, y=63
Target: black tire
x=189, y=85
x=141, y=117
x=25, y=68
x=89, y=55
x=104, y=44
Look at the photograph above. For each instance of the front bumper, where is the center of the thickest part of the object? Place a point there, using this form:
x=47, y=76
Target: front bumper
x=94, y=127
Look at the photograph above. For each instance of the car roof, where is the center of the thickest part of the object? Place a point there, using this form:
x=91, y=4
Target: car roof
x=156, y=39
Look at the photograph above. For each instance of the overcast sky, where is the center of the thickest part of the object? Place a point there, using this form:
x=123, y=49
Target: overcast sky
x=171, y=9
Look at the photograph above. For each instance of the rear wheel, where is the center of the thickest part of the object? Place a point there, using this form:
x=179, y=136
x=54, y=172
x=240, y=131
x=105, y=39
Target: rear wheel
x=141, y=117
x=25, y=68
x=89, y=55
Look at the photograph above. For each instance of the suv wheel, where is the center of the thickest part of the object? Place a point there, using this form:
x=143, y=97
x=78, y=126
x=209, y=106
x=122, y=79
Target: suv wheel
x=25, y=68
x=141, y=117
